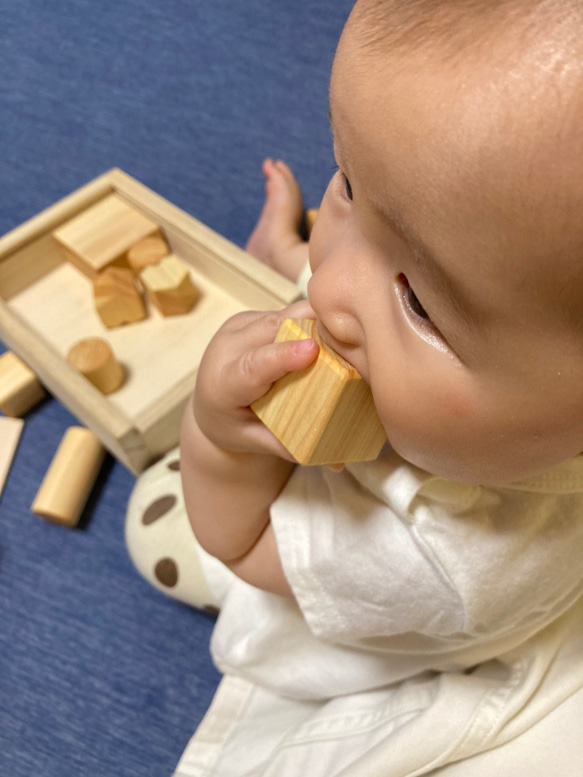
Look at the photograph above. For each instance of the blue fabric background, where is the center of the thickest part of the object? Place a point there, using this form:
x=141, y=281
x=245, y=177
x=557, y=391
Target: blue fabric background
x=99, y=673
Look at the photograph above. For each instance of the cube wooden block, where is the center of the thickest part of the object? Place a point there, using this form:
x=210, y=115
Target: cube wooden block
x=169, y=286
x=116, y=296
x=103, y=234
x=19, y=387
x=324, y=414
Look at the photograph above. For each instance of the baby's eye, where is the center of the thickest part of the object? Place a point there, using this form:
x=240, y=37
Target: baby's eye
x=411, y=298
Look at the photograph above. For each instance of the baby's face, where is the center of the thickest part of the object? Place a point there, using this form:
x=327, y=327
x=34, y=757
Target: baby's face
x=445, y=257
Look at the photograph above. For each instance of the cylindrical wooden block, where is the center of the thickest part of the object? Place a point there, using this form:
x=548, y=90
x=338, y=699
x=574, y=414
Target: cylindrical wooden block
x=148, y=251
x=95, y=360
x=70, y=477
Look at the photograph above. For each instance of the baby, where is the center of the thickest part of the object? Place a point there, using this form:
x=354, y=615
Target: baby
x=420, y=614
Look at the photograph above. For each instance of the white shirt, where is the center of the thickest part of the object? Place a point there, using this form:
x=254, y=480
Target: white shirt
x=397, y=572
x=434, y=622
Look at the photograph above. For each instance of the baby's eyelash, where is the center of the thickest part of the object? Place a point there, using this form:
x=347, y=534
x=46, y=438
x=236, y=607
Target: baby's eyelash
x=411, y=298
x=347, y=184
x=348, y=188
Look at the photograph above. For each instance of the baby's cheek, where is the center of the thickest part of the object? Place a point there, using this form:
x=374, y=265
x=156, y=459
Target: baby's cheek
x=457, y=405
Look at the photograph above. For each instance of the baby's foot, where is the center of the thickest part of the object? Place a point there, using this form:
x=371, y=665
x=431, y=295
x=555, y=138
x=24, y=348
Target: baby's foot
x=276, y=240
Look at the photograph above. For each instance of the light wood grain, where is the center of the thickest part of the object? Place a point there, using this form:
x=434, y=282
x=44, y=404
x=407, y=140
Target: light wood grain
x=10, y=431
x=169, y=286
x=324, y=414
x=147, y=252
x=70, y=478
x=95, y=360
x=20, y=389
x=116, y=296
x=103, y=234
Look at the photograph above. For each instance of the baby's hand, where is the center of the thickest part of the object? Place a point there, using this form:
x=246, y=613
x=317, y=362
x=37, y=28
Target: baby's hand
x=239, y=366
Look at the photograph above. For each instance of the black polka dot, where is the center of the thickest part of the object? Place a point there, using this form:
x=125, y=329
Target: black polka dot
x=158, y=509
x=174, y=465
x=166, y=572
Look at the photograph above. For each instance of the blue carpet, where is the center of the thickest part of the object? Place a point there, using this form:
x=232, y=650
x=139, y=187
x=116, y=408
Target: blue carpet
x=99, y=673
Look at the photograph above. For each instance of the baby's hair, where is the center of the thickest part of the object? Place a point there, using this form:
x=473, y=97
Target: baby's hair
x=456, y=25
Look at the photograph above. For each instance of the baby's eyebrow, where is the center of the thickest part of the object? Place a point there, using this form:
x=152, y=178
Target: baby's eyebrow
x=445, y=284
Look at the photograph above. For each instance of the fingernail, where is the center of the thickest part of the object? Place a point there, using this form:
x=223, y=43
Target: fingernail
x=302, y=346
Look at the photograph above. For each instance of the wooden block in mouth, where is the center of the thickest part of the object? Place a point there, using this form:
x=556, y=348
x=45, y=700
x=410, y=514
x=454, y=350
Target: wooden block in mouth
x=323, y=414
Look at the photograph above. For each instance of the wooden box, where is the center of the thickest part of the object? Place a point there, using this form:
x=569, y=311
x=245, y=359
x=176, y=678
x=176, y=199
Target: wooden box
x=46, y=306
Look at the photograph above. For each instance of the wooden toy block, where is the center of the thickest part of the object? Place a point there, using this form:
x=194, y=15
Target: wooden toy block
x=117, y=299
x=94, y=359
x=19, y=387
x=310, y=217
x=10, y=431
x=146, y=252
x=70, y=477
x=324, y=414
x=103, y=234
x=169, y=286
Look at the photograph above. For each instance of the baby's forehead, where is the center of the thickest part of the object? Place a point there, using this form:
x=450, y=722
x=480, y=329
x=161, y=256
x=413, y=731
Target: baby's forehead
x=519, y=76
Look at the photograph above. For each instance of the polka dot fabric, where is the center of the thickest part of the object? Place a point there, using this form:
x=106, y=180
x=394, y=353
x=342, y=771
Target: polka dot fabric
x=162, y=545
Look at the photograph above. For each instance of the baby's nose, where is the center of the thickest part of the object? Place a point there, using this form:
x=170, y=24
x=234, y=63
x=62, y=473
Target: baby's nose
x=335, y=310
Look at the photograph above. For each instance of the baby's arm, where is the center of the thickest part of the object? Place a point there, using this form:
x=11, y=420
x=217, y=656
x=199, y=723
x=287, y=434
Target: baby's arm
x=232, y=467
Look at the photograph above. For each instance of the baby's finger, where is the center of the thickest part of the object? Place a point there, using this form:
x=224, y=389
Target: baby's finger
x=299, y=309
x=261, y=367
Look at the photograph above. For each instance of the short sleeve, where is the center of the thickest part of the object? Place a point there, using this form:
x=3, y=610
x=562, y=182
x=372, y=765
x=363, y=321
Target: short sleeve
x=354, y=564
x=386, y=556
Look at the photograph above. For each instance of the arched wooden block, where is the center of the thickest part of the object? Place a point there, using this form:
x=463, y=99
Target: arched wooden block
x=169, y=286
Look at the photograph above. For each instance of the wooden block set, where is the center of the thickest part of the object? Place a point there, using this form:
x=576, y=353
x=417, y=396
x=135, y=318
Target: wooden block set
x=125, y=255
x=48, y=315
